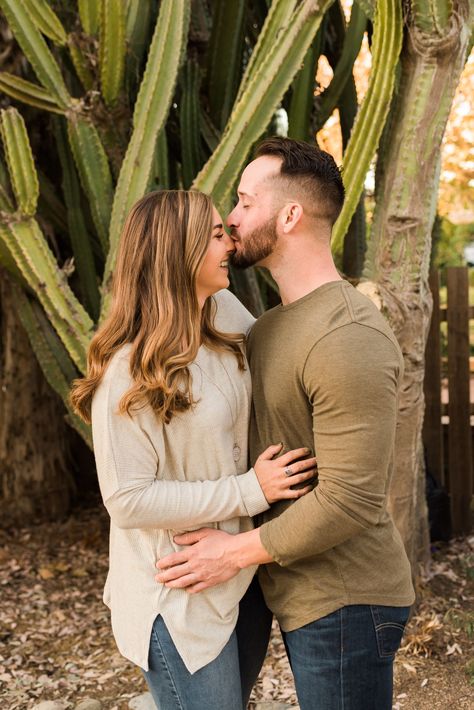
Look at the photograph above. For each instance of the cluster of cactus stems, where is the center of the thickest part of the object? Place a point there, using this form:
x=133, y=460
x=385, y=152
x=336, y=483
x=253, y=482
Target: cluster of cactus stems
x=116, y=85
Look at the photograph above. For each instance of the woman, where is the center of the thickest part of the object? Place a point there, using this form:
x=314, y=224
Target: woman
x=168, y=394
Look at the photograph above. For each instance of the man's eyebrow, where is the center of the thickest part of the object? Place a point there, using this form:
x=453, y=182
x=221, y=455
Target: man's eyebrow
x=218, y=226
x=244, y=194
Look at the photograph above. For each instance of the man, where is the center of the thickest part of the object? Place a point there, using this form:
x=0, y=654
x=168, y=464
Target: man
x=326, y=369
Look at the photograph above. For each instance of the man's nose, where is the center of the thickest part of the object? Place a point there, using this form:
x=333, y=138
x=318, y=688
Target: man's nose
x=230, y=221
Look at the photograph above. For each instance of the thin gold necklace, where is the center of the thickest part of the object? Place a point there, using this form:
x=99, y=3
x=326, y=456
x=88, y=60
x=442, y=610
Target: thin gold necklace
x=236, y=450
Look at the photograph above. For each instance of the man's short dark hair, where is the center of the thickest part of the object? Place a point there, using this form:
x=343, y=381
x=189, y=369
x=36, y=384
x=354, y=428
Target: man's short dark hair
x=315, y=171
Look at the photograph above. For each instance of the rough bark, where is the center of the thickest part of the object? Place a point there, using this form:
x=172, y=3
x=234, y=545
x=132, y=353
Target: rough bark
x=398, y=257
x=35, y=478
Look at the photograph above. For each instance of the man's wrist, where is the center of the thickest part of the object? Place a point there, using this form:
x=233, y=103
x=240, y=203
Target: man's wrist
x=247, y=549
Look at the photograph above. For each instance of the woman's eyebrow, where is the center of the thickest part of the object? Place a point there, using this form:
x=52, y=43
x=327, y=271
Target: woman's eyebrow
x=218, y=226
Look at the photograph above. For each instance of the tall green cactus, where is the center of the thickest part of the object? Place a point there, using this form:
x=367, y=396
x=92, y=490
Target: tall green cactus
x=265, y=82
x=386, y=46
x=121, y=112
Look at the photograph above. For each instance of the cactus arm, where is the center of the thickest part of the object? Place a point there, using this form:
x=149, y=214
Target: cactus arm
x=80, y=239
x=352, y=42
x=51, y=357
x=46, y=20
x=253, y=111
x=151, y=109
x=209, y=132
x=431, y=16
x=80, y=63
x=6, y=201
x=386, y=46
x=89, y=12
x=368, y=7
x=50, y=206
x=36, y=50
x=28, y=93
x=137, y=35
x=94, y=172
x=36, y=262
x=276, y=20
x=162, y=160
x=20, y=161
x=302, y=97
x=112, y=49
x=189, y=120
x=224, y=58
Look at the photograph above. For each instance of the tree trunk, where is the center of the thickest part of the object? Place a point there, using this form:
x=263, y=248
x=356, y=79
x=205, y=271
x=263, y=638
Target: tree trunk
x=398, y=256
x=35, y=478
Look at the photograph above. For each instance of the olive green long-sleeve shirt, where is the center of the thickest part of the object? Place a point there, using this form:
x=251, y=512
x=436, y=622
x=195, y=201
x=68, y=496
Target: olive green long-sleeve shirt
x=326, y=370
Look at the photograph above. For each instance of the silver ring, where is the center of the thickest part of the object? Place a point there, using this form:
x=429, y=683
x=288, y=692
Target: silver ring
x=288, y=471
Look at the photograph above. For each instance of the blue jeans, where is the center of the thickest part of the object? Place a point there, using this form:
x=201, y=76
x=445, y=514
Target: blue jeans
x=226, y=682
x=344, y=661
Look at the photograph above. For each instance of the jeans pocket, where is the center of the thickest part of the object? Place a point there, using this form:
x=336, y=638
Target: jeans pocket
x=389, y=625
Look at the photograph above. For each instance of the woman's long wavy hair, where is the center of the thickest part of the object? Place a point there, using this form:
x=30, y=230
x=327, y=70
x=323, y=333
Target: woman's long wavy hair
x=155, y=306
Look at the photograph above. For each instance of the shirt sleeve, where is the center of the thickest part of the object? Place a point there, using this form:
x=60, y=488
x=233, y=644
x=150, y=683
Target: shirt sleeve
x=127, y=465
x=351, y=379
x=231, y=315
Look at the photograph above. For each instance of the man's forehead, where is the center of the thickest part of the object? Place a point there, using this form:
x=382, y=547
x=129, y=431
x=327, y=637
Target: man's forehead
x=257, y=172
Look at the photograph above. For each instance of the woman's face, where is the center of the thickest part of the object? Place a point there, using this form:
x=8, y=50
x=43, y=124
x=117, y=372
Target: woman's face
x=214, y=272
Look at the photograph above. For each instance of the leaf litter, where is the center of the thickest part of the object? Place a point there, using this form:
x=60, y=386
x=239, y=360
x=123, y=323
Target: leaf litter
x=56, y=642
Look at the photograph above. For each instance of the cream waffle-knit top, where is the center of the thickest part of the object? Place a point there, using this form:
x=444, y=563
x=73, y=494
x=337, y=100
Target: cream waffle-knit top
x=157, y=479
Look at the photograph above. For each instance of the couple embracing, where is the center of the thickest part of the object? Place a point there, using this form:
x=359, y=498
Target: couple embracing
x=184, y=390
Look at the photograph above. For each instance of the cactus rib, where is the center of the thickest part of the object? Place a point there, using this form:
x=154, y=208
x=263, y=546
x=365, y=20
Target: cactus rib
x=36, y=262
x=253, y=111
x=28, y=93
x=112, y=48
x=46, y=20
x=89, y=13
x=387, y=42
x=151, y=109
x=36, y=50
x=20, y=161
x=94, y=172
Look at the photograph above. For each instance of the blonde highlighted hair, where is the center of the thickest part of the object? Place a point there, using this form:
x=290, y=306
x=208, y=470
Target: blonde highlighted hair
x=155, y=306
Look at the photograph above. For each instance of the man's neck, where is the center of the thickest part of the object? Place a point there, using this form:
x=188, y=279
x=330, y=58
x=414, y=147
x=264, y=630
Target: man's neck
x=299, y=273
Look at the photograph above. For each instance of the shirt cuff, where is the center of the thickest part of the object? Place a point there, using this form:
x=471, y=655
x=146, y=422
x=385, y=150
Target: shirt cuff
x=252, y=494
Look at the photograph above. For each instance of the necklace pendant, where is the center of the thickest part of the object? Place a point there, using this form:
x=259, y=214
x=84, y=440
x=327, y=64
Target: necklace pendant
x=236, y=452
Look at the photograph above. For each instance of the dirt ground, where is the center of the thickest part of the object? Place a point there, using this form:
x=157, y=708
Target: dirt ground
x=56, y=643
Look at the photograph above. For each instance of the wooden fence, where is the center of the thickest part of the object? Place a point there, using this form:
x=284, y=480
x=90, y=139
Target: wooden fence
x=447, y=430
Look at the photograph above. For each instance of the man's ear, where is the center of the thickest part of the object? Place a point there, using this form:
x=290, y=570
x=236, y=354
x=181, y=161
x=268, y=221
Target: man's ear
x=290, y=216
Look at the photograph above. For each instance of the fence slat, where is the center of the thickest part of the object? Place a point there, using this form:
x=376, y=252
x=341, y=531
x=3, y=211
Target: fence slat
x=432, y=427
x=460, y=451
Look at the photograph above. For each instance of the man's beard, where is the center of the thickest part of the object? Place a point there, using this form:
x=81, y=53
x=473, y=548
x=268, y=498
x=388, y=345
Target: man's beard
x=257, y=245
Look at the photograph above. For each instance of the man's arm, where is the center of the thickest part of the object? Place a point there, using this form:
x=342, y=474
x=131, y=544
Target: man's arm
x=351, y=379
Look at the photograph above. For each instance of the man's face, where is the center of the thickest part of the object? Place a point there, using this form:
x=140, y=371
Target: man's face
x=253, y=221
